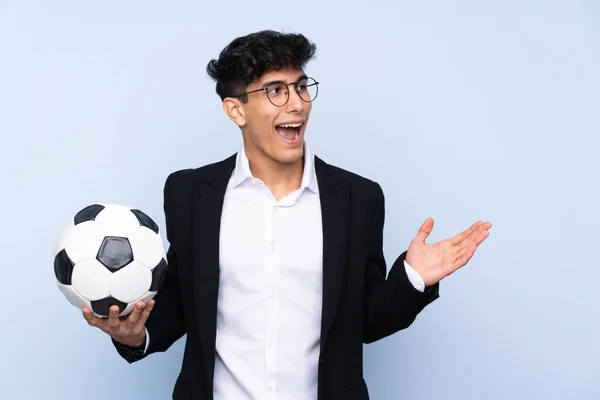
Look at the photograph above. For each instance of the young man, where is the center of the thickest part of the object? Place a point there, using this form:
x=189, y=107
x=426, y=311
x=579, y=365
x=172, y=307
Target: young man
x=276, y=269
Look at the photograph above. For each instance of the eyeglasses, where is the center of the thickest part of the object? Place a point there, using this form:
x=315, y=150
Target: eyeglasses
x=278, y=93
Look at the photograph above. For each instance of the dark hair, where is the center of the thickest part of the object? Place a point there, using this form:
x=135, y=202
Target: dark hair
x=249, y=57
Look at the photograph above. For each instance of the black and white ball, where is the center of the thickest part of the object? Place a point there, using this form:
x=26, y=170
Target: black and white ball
x=109, y=254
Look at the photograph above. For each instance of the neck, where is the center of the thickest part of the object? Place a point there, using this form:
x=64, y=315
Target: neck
x=280, y=178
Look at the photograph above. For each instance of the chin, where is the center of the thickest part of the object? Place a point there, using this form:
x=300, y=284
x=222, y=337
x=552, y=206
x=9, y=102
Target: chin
x=289, y=155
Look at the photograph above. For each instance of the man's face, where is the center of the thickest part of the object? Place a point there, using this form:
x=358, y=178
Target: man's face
x=275, y=132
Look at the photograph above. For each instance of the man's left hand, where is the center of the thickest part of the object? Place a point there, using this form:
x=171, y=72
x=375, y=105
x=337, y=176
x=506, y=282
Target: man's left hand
x=436, y=261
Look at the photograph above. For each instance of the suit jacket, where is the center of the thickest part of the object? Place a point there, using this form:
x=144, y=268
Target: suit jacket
x=359, y=304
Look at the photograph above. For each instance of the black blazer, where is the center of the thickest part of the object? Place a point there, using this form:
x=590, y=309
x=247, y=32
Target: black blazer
x=359, y=304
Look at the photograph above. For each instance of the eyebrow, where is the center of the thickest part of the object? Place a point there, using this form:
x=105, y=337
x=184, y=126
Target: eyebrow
x=264, y=85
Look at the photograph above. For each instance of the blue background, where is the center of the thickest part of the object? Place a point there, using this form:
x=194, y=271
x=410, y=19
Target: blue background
x=461, y=110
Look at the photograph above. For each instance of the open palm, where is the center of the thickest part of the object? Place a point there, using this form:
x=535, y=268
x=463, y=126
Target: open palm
x=436, y=261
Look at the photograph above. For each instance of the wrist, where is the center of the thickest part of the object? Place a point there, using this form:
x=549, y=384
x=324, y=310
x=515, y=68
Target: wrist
x=135, y=341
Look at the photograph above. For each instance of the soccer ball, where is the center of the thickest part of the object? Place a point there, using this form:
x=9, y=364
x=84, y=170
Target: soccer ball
x=109, y=254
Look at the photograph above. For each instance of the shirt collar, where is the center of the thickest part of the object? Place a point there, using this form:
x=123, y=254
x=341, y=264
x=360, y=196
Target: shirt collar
x=309, y=175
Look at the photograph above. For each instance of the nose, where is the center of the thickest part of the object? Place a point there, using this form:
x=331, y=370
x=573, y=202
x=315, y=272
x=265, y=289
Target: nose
x=295, y=103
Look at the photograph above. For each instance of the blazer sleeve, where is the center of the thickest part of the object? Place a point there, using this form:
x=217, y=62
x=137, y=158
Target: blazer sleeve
x=391, y=304
x=166, y=323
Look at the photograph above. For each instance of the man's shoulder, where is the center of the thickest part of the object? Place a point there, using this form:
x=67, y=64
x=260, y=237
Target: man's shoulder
x=186, y=176
x=342, y=175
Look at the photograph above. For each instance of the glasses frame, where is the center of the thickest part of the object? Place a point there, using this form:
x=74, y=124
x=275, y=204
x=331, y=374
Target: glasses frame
x=266, y=89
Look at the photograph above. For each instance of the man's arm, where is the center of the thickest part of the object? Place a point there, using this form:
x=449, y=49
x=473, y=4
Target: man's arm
x=391, y=304
x=166, y=322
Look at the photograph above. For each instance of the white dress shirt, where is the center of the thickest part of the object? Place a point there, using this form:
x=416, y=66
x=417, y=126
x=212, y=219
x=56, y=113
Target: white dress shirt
x=270, y=289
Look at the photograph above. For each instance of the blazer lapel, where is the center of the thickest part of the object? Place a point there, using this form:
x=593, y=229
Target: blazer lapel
x=334, y=210
x=207, y=207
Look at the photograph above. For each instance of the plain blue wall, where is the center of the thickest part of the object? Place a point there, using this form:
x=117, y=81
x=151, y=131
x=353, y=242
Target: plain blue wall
x=461, y=111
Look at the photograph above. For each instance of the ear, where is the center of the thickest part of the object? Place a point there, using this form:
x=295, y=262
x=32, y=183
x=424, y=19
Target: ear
x=235, y=110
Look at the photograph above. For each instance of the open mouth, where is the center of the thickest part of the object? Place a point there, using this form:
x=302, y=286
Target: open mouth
x=289, y=133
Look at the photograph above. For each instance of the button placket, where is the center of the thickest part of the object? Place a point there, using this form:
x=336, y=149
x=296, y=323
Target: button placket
x=272, y=286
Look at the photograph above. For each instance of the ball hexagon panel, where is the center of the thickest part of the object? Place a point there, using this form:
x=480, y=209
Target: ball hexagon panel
x=83, y=241
x=116, y=220
x=131, y=283
x=147, y=247
x=60, y=241
x=74, y=298
x=115, y=253
x=91, y=280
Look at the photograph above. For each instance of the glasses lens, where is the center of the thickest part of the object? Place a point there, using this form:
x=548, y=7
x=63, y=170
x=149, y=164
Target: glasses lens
x=308, y=89
x=278, y=94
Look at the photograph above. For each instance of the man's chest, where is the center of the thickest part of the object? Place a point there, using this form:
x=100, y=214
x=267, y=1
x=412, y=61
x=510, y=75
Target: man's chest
x=262, y=241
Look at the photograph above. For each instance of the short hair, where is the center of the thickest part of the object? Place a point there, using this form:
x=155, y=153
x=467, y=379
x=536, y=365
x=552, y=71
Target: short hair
x=249, y=57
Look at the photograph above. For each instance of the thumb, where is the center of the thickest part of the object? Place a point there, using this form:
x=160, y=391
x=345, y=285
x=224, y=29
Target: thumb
x=424, y=231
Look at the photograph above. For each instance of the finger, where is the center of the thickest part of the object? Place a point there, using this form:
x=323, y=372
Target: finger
x=134, y=317
x=460, y=238
x=113, y=317
x=481, y=236
x=461, y=251
x=87, y=315
x=463, y=238
x=474, y=239
x=462, y=260
x=92, y=320
x=466, y=251
x=146, y=313
x=478, y=236
x=424, y=230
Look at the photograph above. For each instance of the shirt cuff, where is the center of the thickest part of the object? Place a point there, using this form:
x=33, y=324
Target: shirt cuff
x=147, y=340
x=413, y=277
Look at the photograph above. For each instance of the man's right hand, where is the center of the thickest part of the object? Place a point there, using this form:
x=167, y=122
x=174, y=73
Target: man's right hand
x=129, y=331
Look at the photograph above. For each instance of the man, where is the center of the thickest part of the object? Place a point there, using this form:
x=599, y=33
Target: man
x=276, y=269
